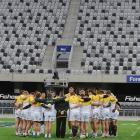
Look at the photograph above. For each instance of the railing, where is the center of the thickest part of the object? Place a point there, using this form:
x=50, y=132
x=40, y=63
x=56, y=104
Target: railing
x=130, y=112
x=123, y=112
x=7, y=110
x=54, y=58
x=70, y=58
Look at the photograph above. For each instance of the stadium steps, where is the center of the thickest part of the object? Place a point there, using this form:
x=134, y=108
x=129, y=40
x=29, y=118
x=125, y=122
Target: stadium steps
x=47, y=61
x=76, y=58
x=70, y=25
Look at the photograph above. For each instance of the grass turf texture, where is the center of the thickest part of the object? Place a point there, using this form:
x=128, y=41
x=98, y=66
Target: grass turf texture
x=127, y=130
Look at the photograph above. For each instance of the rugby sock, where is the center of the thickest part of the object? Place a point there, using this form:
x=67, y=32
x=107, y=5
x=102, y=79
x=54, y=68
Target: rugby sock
x=95, y=134
x=115, y=130
x=107, y=134
x=86, y=134
x=103, y=134
x=42, y=129
x=34, y=133
x=25, y=134
x=17, y=133
x=49, y=135
x=110, y=129
x=38, y=133
x=74, y=131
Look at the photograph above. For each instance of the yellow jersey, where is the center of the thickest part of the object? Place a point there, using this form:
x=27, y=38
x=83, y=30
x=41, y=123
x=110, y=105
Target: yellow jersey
x=86, y=103
x=74, y=99
x=26, y=101
x=85, y=106
x=113, y=99
x=105, y=101
x=67, y=95
x=95, y=99
x=32, y=101
x=18, y=99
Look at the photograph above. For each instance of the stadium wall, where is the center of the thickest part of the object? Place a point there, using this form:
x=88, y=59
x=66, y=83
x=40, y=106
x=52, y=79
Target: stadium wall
x=77, y=77
x=124, y=91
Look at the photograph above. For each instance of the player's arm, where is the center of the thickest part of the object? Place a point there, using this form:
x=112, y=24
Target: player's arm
x=117, y=106
x=108, y=105
x=76, y=106
x=46, y=106
x=66, y=99
x=105, y=96
x=40, y=100
x=86, y=99
x=27, y=106
x=57, y=100
x=96, y=103
x=80, y=100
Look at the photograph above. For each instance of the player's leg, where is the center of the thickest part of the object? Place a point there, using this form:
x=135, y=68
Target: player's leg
x=107, y=127
x=82, y=131
x=81, y=125
x=103, y=123
x=85, y=128
x=46, y=128
x=103, y=128
x=17, y=125
x=36, y=123
x=28, y=122
x=58, y=127
x=72, y=122
x=75, y=125
x=34, y=128
x=95, y=126
x=87, y=120
x=69, y=122
x=51, y=120
x=63, y=127
x=91, y=125
x=28, y=126
x=20, y=126
x=96, y=122
x=24, y=126
x=38, y=128
x=111, y=127
x=46, y=119
x=49, y=129
x=115, y=122
x=114, y=127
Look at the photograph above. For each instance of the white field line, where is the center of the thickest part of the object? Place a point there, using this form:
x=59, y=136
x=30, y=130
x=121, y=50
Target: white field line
x=124, y=124
x=134, y=133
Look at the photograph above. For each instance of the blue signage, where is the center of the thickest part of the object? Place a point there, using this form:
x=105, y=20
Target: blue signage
x=63, y=48
x=133, y=78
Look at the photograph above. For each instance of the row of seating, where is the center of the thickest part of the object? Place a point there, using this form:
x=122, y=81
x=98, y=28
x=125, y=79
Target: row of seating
x=27, y=27
x=108, y=31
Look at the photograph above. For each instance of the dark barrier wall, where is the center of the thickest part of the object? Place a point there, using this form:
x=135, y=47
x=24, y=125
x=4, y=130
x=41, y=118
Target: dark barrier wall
x=123, y=91
x=32, y=86
x=6, y=91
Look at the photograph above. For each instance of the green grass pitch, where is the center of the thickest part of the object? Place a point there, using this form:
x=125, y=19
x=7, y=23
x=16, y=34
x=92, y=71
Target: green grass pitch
x=127, y=130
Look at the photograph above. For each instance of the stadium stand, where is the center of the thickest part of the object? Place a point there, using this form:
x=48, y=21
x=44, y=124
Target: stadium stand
x=27, y=27
x=108, y=31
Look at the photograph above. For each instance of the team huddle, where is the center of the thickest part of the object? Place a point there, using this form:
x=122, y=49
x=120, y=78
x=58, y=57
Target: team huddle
x=36, y=111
